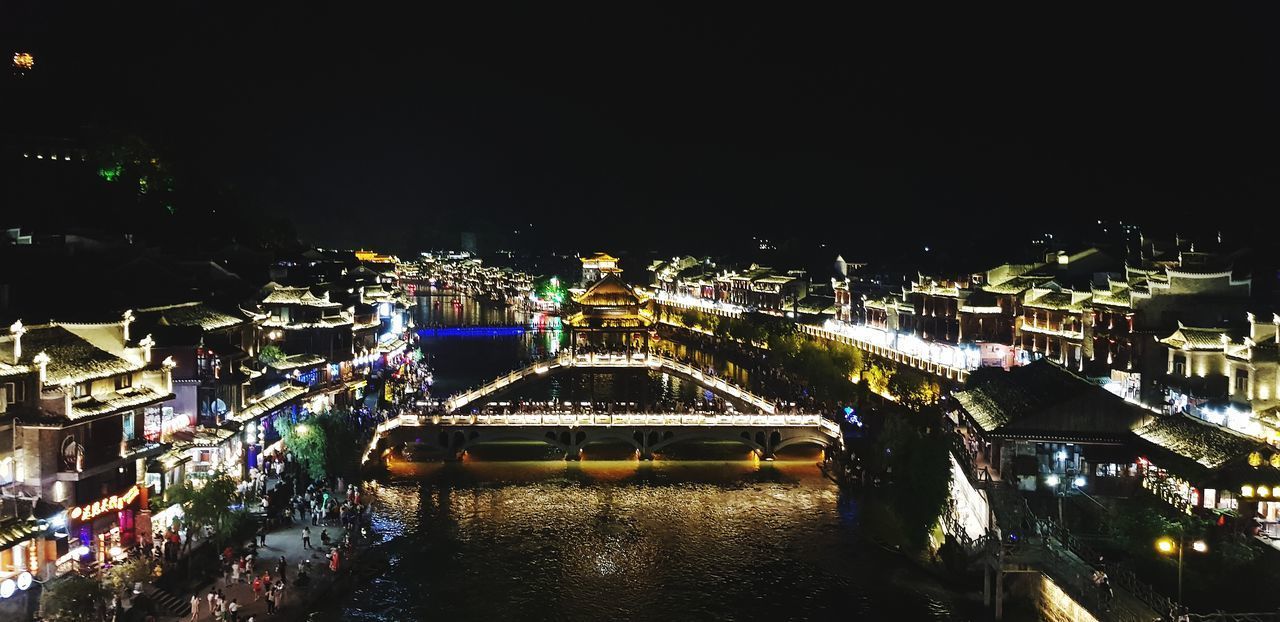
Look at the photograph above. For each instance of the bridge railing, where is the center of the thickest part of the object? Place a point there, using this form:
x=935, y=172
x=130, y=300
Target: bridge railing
x=611, y=361
x=834, y=331
x=828, y=427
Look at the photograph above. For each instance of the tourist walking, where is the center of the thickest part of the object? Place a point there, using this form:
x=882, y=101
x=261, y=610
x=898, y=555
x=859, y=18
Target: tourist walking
x=271, y=600
x=306, y=537
x=195, y=607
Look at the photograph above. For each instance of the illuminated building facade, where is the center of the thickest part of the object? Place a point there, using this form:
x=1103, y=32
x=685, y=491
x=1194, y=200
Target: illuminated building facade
x=597, y=266
x=81, y=393
x=610, y=314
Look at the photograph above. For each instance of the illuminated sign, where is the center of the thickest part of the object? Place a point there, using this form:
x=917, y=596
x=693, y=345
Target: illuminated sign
x=114, y=503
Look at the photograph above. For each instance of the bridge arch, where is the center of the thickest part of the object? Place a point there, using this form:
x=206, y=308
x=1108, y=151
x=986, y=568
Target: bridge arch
x=709, y=438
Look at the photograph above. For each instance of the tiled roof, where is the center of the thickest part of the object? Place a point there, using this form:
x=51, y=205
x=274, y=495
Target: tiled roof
x=297, y=361
x=1056, y=300
x=325, y=322
x=120, y=400
x=1189, y=338
x=192, y=314
x=609, y=291
x=1207, y=444
x=72, y=359
x=1015, y=285
x=264, y=406
x=298, y=296
x=1045, y=398
x=17, y=530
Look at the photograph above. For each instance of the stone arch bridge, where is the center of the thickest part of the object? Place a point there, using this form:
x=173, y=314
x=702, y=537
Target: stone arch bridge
x=449, y=436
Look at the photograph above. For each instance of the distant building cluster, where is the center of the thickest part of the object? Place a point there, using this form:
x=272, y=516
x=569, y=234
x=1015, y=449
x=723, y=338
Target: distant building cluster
x=462, y=272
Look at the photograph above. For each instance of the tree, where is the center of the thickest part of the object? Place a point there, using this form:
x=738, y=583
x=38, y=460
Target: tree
x=322, y=443
x=690, y=318
x=121, y=577
x=210, y=504
x=913, y=389
x=270, y=354
x=877, y=375
x=916, y=451
x=72, y=598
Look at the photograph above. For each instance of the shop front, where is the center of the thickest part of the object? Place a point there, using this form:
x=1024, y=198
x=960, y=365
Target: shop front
x=105, y=529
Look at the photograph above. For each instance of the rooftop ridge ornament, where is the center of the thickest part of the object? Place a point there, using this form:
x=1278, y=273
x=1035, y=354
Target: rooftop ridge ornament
x=17, y=330
x=147, y=343
x=126, y=319
x=42, y=359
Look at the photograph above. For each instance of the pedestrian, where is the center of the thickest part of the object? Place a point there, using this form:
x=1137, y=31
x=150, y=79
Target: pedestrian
x=262, y=533
x=235, y=571
x=195, y=607
x=211, y=596
x=306, y=537
x=233, y=610
x=271, y=600
x=282, y=568
x=257, y=589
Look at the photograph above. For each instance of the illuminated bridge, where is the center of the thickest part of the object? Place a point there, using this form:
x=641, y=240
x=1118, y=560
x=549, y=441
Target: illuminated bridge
x=764, y=431
x=742, y=397
x=451, y=436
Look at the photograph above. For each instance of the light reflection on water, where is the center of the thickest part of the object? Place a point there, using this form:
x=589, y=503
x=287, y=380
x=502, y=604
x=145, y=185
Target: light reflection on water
x=621, y=539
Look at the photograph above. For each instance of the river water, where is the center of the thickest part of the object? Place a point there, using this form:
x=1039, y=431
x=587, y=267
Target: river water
x=705, y=533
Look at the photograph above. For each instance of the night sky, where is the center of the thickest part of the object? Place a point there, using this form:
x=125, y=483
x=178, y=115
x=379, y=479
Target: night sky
x=643, y=126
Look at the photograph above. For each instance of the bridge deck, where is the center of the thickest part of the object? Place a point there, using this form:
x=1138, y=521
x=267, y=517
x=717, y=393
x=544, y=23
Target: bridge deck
x=610, y=361
x=827, y=426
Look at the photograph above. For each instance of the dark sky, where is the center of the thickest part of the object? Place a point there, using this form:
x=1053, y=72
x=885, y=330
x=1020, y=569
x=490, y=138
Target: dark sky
x=369, y=124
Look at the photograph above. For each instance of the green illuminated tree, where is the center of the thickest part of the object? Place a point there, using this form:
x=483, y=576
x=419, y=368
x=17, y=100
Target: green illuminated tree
x=322, y=443
x=270, y=354
x=211, y=505
x=913, y=389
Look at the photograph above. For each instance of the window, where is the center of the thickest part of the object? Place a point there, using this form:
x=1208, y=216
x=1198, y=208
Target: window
x=15, y=392
x=124, y=381
x=83, y=389
x=128, y=426
x=1179, y=365
x=1242, y=380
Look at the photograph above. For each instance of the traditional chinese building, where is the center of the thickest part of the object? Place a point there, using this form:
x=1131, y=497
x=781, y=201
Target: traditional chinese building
x=1226, y=376
x=610, y=314
x=81, y=394
x=597, y=266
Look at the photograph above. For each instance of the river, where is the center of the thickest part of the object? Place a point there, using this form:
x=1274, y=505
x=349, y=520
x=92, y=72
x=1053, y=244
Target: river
x=705, y=533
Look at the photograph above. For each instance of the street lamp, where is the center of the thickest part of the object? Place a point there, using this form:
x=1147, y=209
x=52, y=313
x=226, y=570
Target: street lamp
x=1166, y=546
